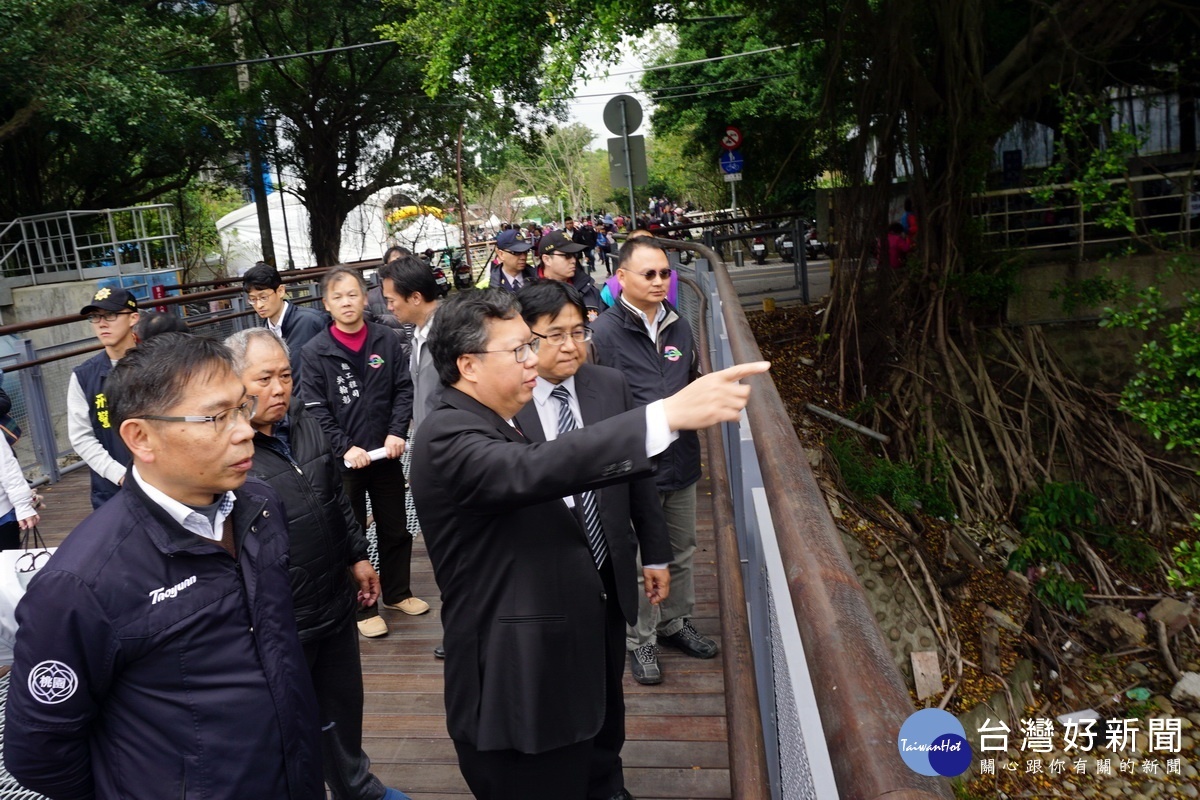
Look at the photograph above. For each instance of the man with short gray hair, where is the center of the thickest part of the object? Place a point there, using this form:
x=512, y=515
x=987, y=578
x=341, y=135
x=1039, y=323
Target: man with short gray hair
x=328, y=550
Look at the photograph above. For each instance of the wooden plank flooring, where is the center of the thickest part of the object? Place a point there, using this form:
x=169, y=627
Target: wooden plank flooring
x=676, y=737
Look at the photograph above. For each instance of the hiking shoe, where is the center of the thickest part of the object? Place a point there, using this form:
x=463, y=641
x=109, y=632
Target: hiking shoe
x=643, y=663
x=691, y=641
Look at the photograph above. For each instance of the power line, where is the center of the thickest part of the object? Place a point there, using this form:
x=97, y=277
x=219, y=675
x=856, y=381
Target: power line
x=680, y=86
x=705, y=60
x=286, y=57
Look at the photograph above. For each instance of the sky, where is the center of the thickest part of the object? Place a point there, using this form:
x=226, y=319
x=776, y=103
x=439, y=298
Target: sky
x=589, y=109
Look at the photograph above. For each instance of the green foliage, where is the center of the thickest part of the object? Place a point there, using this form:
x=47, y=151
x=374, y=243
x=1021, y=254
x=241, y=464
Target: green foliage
x=1129, y=547
x=1186, y=572
x=88, y=116
x=1165, y=393
x=1090, y=154
x=867, y=475
x=1077, y=293
x=987, y=289
x=1056, y=589
x=1050, y=514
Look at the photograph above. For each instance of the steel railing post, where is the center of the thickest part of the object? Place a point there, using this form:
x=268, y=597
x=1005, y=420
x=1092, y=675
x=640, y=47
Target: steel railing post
x=37, y=411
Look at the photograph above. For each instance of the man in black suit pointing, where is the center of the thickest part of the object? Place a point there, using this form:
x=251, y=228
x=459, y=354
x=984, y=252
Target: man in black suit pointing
x=523, y=604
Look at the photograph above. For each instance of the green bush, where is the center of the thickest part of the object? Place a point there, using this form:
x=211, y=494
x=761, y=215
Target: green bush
x=867, y=475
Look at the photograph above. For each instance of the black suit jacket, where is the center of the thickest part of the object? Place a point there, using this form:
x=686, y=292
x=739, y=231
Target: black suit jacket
x=602, y=393
x=523, y=606
x=300, y=324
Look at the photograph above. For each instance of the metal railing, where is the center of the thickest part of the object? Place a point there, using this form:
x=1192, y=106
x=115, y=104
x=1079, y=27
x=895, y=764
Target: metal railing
x=74, y=245
x=831, y=700
x=1165, y=206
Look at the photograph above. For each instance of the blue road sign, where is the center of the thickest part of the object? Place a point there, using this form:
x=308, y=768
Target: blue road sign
x=731, y=161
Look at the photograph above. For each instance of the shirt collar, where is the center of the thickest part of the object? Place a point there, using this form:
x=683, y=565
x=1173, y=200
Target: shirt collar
x=543, y=388
x=650, y=324
x=191, y=520
x=282, y=314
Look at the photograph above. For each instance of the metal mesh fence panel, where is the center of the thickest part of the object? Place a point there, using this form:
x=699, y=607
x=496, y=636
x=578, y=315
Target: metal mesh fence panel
x=9, y=788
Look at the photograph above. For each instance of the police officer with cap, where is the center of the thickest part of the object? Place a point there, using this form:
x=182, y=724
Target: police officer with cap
x=112, y=313
x=514, y=271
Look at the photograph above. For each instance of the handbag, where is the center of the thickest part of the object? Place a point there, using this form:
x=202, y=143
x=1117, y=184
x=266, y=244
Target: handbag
x=33, y=558
x=17, y=568
x=11, y=430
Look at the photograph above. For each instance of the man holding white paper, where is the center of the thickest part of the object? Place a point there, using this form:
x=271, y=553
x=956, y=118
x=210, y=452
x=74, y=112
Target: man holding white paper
x=355, y=381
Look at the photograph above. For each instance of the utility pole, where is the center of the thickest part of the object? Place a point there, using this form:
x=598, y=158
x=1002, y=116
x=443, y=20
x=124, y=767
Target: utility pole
x=254, y=146
x=462, y=209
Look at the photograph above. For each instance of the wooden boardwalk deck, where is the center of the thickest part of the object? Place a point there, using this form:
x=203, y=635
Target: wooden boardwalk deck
x=676, y=738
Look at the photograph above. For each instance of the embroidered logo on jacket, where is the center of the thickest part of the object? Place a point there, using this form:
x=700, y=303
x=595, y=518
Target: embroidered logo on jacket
x=375, y=361
x=672, y=353
x=165, y=593
x=52, y=682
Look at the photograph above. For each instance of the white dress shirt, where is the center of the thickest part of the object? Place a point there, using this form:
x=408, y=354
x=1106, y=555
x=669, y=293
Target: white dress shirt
x=191, y=519
x=277, y=329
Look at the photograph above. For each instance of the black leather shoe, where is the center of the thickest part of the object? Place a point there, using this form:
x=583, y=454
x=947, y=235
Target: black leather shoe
x=439, y=652
x=643, y=665
x=691, y=641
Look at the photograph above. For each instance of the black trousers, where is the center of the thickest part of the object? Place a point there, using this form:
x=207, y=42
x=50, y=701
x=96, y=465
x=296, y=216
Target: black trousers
x=384, y=481
x=589, y=769
x=605, y=776
x=336, y=671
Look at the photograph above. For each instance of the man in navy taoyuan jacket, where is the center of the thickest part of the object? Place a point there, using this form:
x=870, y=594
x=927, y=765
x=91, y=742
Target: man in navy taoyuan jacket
x=157, y=654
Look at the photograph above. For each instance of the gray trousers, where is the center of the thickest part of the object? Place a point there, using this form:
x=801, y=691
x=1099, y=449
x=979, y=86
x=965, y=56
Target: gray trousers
x=668, y=616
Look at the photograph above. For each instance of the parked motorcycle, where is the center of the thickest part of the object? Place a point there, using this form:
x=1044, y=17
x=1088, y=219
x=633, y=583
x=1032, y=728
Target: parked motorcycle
x=786, y=247
x=758, y=247
x=813, y=247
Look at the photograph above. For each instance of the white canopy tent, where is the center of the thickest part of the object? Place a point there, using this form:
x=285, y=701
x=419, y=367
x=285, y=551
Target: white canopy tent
x=427, y=232
x=364, y=234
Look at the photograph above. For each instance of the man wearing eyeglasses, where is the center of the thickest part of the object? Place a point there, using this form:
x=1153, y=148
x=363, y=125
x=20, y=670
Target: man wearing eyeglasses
x=157, y=653
x=572, y=394
x=295, y=324
x=558, y=259
x=524, y=601
x=112, y=313
x=644, y=337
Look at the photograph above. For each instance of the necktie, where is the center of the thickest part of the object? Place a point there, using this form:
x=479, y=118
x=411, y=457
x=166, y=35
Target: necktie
x=516, y=284
x=587, y=500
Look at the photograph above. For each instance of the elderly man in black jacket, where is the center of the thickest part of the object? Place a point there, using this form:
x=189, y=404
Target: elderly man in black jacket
x=328, y=555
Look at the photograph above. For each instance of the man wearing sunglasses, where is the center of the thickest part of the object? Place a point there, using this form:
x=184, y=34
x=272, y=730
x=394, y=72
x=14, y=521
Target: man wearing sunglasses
x=644, y=337
x=157, y=653
x=524, y=601
x=112, y=314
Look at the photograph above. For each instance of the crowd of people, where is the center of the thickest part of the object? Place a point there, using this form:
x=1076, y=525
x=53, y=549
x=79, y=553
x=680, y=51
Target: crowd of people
x=198, y=635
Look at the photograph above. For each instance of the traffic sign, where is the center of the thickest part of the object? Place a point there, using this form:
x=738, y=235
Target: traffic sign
x=622, y=114
x=732, y=138
x=731, y=177
x=731, y=162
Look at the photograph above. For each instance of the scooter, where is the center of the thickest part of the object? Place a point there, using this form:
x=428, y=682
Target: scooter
x=462, y=273
x=813, y=246
x=758, y=247
x=786, y=247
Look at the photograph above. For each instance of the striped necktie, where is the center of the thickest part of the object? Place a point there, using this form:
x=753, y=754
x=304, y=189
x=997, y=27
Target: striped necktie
x=587, y=500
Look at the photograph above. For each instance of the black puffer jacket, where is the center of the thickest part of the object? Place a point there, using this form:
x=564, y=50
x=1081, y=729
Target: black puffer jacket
x=326, y=539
